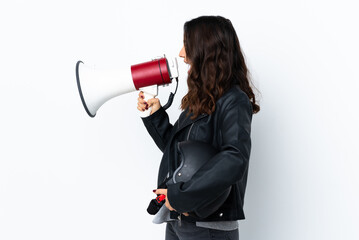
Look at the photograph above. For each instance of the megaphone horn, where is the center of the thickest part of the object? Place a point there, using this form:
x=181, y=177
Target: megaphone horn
x=98, y=86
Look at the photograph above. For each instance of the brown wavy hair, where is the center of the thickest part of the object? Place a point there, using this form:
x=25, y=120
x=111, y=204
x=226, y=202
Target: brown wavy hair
x=217, y=64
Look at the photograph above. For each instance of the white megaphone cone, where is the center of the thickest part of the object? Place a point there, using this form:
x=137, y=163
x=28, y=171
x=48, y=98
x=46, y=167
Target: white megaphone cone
x=98, y=86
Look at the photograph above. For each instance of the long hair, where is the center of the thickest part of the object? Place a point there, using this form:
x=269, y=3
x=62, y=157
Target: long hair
x=217, y=64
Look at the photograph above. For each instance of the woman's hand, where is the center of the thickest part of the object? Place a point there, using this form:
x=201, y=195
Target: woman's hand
x=167, y=203
x=142, y=105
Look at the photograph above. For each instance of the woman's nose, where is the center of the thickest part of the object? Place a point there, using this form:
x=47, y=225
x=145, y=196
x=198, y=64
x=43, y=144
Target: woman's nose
x=182, y=53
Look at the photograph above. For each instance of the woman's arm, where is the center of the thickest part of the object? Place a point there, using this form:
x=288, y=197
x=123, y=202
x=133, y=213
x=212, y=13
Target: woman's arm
x=225, y=168
x=157, y=124
x=159, y=127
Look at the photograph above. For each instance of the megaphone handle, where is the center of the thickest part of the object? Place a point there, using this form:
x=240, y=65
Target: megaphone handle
x=148, y=92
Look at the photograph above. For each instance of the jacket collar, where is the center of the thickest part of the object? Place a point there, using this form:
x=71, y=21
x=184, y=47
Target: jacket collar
x=184, y=120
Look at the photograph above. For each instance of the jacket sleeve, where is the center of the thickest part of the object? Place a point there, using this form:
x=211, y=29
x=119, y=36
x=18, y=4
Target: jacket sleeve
x=226, y=168
x=159, y=127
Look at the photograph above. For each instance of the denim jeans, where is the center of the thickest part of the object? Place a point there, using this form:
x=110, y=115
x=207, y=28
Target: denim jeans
x=189, y=231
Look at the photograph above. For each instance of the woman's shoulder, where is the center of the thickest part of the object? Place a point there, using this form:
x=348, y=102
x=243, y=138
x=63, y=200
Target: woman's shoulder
x=234, y=95
x=234, y=103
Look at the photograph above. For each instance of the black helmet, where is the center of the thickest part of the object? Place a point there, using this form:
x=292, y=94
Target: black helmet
x=193, y=156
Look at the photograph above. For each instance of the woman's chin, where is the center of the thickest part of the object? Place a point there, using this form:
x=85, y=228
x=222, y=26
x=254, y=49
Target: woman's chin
x=189, y=68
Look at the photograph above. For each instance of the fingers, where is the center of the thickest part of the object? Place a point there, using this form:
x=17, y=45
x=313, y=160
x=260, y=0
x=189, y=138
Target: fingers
x=167, y=203
x=141, y=95
x=161, y=191
x=142, y=105
x=186, y=214
x=153, y=101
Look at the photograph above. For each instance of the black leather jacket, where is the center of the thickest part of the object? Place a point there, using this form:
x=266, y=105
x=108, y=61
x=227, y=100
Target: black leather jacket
x=228, y=130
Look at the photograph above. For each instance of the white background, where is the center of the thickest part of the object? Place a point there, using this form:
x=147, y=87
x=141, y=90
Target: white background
x=64, y=175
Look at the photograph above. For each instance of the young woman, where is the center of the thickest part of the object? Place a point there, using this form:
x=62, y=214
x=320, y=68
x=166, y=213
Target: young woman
x=217, y=110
